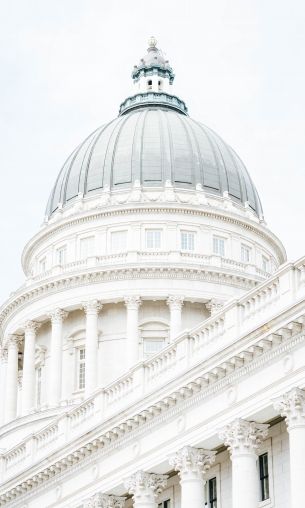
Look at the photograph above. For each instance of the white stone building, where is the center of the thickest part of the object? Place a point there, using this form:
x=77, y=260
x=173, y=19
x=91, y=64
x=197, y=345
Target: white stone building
x=155, y=355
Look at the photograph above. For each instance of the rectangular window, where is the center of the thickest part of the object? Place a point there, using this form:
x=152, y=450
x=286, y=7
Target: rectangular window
x=187, y=240
x=118, y=241
x=81, y=368
x=38, y=386
x=165, y=504
x=153, y=238
x=61, y=255
x=265, y=264
x=219, y=245
x=245, y=253
x=86, y=247
x=212, y=493
x=264, y=476
x=42, y=265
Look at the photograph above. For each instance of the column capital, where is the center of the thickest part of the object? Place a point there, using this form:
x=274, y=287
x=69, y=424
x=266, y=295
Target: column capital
x=214, y=305
x=132, y=302
x=175, y=301
x=100, y=500
x=243, y=437
x=190, y=461
x=92, y=306
x=142, y=483
x=57, y=315
x=31, y=326
x=3, y=355
x=14, y=341
x=291, y=405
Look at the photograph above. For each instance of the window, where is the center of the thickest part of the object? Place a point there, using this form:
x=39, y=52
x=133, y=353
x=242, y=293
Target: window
x=219, y=245
x=187, y=240
x=149, y=83
x=118, y=241
x=42, y=265
x=61, y=255
x=86, y=247
x=153, y=238
x=211, y=493
x=264, y=476
x=153, y=346
x=265, y=264
x=38, y=386
x=245, y=253
x=81, y=368
x=165, y=504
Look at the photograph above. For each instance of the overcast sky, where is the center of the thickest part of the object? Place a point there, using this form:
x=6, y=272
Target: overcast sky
x=65, y=68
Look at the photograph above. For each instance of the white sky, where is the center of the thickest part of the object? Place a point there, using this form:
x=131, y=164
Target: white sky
x=65, y=68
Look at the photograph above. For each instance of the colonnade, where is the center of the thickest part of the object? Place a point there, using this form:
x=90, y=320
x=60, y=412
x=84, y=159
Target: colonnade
x=54, y=385
x=242, y=437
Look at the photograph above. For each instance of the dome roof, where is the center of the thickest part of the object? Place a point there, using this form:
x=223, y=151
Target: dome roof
x=153, y=145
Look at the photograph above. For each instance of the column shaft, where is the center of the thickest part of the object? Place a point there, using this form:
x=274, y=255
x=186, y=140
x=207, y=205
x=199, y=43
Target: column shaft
x=3, y=372
x=28, y=383
x=11, y=380
x=132, y=329
x=92, y=309
x=175, y=304
x=55, y=369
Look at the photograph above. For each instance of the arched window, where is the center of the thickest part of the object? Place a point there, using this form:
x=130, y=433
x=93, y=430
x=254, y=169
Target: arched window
x=160, y=84
x=154, y=337
x=149, y=84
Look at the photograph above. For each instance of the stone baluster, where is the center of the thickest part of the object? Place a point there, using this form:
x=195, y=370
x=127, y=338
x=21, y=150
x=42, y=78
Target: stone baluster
x=12, y=378
x=243, y=438
x=100, y=500
x=3, y=372
x=191, y=464
x=175, y=304
x=132, y=329
x=145, y=488
x=292, y=406
x=92, y=309
x=57, y=317
x=28, y=384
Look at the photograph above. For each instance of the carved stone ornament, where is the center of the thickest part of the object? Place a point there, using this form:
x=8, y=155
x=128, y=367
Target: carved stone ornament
x=57, y=315
x=104, y=501
x=31, y=326
x=14, y=341
x=175, y=302
x=3, y=355
x=92, y=306
x=242, y=436
x=189, y=460
x=146, y=484
x=291, y=405
x=132, y=302
x=214, y=305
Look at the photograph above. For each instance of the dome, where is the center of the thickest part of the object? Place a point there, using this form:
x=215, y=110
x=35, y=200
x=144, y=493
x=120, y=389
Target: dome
x=154, y=145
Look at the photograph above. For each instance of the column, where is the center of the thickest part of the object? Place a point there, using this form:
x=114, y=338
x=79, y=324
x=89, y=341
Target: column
x=292, y=406
x=28, y=383
x=191, y=464
x=104, y=501
x=3, y=365
x=175, y=304
x=11, y=378
x=92, y=309
x=132, y=329
x=57, y=317
x=145, y=488
x=243, y=438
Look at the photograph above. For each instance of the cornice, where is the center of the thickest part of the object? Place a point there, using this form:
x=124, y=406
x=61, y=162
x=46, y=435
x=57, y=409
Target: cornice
x=94, y=276
x=181, y=398
x=94, y=215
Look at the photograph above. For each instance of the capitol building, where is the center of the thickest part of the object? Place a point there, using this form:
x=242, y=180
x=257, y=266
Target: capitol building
x=154, y=356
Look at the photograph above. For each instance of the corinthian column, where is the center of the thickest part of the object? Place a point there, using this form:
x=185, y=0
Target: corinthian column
x=104, y=501
x=132, y=329
x=91, y=308
x=175, y=304
x=145, y=488
x=243, y=438
x=191, y=464
x=3, y=372
x=292, y=406
x=28, y=383
x=57, y=317
x=11, y=378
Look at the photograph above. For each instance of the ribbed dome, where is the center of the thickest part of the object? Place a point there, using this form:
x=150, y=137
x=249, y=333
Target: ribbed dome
x=153, y=145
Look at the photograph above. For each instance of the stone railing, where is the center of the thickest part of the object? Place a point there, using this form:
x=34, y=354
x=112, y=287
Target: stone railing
x=241, y=327
x=136, y=257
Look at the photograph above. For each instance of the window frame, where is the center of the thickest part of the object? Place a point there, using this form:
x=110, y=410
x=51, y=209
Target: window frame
x=80, y=362
x=245, y=248
x=265, y=261
x=213, y=472
x=62, y=248
x=266, y=447
x=219, y=238
x=88, y=253
x=111, y=236
x=188, y=233
x=151, y=230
